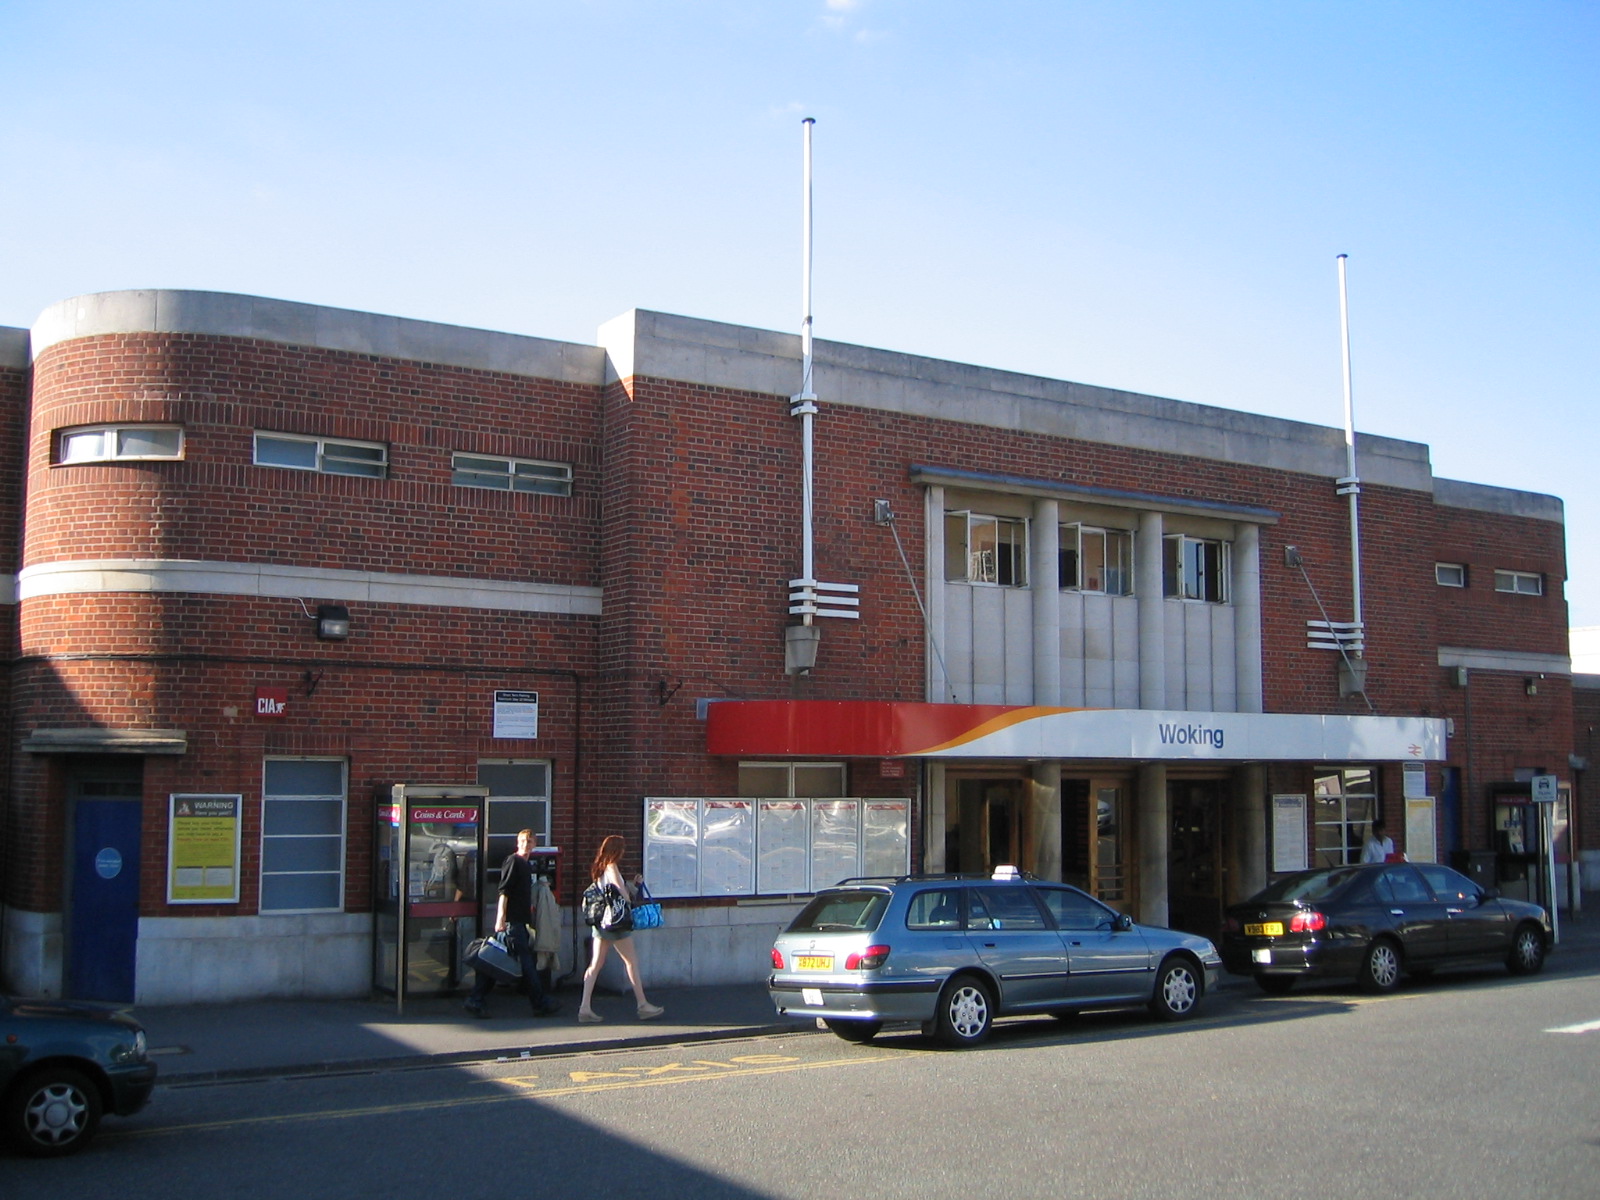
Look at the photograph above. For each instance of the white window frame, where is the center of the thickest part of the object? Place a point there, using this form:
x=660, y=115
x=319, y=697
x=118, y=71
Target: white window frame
x=113, y=448
x=1519, y=583
x=1185, y=581
x=495, y=472
x=1114, y=580
x=1345, y=803
x=986, y=567
x=329, y=456
x=268, y=840
x=1447, y=574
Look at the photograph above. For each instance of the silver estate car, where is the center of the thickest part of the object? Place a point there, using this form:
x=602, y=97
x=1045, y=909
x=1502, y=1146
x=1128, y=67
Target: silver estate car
x=952, y=953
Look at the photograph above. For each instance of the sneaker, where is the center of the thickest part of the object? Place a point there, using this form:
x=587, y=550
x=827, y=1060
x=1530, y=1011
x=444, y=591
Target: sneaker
x=649, y=1012
x=589, y=1018
x=476, y=1010
x=548, y=1009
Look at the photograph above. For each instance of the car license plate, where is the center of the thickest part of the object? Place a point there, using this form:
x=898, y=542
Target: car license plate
x=811, y=997
x=1261, y=956
x=1270, y=929
x=813, y=962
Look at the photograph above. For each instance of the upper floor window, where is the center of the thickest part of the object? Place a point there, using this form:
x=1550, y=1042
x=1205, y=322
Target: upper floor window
x=1450, y=574
x=1194, y=568
x=511, y=474
x=985, y=549
x=1096, y=560
x=328, y=455
x=115, y=443
x=1523, y=583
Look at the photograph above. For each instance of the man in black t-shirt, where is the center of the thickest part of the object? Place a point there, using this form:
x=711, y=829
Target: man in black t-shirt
x=514, y=914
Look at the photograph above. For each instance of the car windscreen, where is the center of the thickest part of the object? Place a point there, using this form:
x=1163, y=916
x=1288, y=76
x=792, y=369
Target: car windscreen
x=855, y=909
x=1309, y=886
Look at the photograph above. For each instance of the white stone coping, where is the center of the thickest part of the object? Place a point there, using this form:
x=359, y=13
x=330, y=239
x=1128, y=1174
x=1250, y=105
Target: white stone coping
x=274, y=579
x=224, y=314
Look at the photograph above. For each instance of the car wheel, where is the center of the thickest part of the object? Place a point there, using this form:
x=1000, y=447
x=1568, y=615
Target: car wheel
x=1178, y=990
x=1527, y=951
x=1380, y=969
x=1275, y=985
x=853, y=1031
x=52, y=1112
x=966, y=1012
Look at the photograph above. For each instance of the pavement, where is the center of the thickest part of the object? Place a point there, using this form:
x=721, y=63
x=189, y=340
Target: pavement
x=202, y=1043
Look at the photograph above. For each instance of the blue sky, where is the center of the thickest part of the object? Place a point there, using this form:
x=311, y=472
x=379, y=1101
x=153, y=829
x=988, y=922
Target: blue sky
x=1143, y=195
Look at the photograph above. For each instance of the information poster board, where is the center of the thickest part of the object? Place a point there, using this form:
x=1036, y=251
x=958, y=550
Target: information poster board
x=1421, y=841
x=835, y=841
x=771, y=846
x=203, y=848
x=516, y=715
x=727, y=847
x=672, y=847
x=885, y=837
x=783, y=863
x=1289, y=833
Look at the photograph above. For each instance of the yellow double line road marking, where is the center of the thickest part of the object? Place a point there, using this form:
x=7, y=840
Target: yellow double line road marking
x=527, y=1088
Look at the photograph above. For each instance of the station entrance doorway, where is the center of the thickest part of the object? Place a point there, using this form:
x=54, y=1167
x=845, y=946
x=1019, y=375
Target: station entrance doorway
x=1196, y=870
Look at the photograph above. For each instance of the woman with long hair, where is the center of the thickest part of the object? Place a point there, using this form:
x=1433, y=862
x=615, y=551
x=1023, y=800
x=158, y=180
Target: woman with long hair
x=604, y=870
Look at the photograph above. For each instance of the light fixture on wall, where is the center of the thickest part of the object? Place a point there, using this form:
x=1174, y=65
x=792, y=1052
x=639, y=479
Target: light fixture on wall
x=333, y=622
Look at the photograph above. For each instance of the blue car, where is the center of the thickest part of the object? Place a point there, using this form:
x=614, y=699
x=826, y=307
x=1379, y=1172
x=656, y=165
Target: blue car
x=62, y=1065
x=952, y=953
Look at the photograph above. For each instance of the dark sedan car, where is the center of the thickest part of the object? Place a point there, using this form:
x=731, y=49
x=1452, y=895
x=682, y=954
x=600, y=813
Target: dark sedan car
x=1375, y=923
x=61, y=1066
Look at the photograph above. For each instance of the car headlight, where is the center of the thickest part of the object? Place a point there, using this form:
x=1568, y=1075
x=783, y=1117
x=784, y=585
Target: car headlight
x=134, y=1053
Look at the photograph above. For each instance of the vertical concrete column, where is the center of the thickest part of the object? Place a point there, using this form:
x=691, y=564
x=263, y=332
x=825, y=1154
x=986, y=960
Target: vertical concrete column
x=933, y=829
x=1155, y=837
x=1152, y=612
x=938, y=687
x=1247, y=873
x=1045, y=591
x=1246, y=596
x=1044, y=812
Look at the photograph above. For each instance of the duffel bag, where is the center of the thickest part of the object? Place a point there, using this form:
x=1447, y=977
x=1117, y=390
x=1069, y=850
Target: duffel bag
x=493, y=957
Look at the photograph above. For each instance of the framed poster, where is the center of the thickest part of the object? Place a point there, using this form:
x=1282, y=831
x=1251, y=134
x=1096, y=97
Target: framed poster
x=783, y=862
x=727, y=847
x=835, y=841
x=203, y=848
x=1289, y=833
x=885, y=837
x=672, y=847
x=1421, y=843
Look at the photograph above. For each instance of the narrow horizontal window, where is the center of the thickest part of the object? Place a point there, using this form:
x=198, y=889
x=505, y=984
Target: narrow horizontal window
x=1096, y=560
x=1523, y=583
x=985, y=549
x=114, y=443
x=1194, y=569
x=1450, y=574
x=328, y=455
x=511, y=474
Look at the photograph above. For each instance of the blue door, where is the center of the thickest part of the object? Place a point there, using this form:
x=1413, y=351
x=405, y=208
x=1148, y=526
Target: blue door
x=103, y=916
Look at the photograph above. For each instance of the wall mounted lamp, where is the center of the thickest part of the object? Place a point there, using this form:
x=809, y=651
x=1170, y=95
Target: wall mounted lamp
x=333, y=622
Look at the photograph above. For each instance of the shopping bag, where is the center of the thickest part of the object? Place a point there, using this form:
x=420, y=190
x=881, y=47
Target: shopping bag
x=493, y=957
x=646, y=912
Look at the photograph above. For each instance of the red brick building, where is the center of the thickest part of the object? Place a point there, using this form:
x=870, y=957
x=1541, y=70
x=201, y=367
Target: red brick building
x=1086, y=632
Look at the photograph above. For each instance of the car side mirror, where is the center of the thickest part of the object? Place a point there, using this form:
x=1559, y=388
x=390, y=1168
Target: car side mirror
x=1488, y=894
x=1122, y=924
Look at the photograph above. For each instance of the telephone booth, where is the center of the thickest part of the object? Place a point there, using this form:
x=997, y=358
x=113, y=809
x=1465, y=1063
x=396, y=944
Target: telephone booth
x=428, y=863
